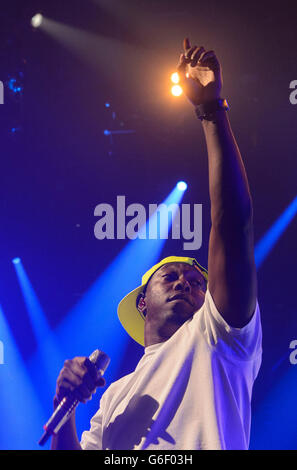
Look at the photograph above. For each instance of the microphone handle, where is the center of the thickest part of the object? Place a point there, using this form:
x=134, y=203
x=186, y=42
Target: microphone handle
x=67, y=405
x=61, y=414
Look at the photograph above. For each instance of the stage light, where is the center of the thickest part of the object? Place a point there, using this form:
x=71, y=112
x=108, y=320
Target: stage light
x=14, y=130
x=16, y=260
x=176, y=90
x=175, y=77
x=181, y=186
x=14, y=84
x=36, y=20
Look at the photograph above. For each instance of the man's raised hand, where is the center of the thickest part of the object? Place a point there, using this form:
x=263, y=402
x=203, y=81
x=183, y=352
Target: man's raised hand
x=200, y=74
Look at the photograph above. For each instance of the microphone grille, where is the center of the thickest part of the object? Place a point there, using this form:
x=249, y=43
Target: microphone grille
x=100, y=359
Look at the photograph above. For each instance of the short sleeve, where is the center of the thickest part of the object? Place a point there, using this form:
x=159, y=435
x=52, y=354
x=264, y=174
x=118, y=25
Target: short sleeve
x=240, y=343
x=92, y=439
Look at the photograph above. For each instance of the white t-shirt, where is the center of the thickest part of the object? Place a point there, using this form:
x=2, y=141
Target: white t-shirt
x=191, y=392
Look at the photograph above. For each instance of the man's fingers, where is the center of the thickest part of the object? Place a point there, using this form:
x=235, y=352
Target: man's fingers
x=101, y=382
x=83, y=393
x=206, y=55
x=90, y=367
x=70, y=377
x=182, y=64
x=209, y=58
x=186, y=44
x=80, y=376
x=188, y=54
x=191, y=53
x=76, y=366
x=197, y=53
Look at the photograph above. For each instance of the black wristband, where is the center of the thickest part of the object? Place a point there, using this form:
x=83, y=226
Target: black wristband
x=207, y=110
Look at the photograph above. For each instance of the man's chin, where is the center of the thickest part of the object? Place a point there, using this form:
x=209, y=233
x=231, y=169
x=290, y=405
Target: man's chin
x=174, y=320
x=182, y=310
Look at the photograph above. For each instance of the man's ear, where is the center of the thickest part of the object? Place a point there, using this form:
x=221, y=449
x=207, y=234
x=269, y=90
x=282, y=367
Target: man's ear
x=141, y=304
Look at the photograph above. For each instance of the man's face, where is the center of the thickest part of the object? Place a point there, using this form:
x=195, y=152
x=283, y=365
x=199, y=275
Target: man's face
x=174, y=293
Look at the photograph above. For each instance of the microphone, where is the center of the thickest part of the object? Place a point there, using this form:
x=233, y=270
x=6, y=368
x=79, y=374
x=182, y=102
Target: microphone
x=67, y=405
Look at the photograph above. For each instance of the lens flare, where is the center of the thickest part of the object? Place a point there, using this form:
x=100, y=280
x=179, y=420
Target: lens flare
x=176, y=90
x=175, y=77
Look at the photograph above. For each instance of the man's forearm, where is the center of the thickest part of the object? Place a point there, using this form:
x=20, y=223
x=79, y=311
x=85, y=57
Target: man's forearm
x=66, y=439
x=231, y=203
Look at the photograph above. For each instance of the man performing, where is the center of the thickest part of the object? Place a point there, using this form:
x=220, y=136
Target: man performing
x=201, y=330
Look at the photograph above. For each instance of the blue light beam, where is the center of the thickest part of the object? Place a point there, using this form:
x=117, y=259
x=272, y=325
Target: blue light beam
x=44, y=363
x=274, y=421
x=20, y=410
x=265, y=245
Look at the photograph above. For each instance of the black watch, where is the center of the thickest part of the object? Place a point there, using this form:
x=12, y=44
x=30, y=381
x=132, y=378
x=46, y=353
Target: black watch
x=206, y=111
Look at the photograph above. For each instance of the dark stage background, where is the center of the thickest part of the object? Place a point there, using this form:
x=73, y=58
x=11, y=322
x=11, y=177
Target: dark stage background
x=57, y=165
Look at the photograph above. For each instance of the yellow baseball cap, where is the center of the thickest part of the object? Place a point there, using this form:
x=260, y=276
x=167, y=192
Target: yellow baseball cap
x=130, y=317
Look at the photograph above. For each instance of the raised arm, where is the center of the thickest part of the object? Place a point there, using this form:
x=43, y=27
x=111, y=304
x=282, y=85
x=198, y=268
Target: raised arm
x=231, y=265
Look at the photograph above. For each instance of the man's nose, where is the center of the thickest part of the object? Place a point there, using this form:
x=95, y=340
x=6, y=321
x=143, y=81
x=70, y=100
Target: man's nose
x=183, y=285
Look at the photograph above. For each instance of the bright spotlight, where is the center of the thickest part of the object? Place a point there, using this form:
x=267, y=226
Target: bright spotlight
x=16, y=260
x=36, y=20
x=182, y=186
x=175, y=77
x=176, y=90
